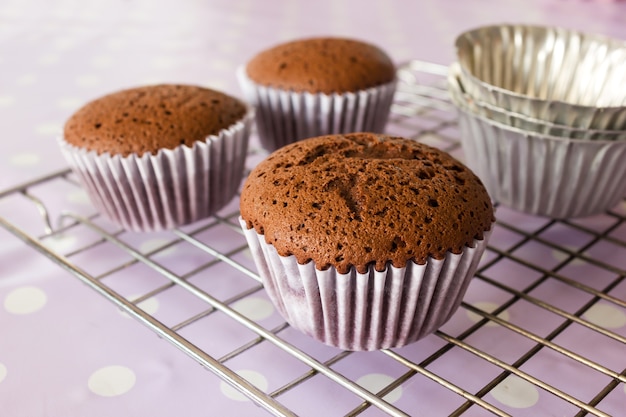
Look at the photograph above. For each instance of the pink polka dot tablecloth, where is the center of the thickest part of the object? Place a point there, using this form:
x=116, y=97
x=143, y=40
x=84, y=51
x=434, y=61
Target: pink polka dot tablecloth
x=97, y=321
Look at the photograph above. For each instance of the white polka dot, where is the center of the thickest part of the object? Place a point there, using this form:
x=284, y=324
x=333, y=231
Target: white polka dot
x=115, y=44
x=25, y=300
x=24, y=159
x=48, y=129
x=153, y=244
x=240, y=20
x=488, y=307
x=226, y=47
x=164, y=62
x=152, y=81
x=69, y=103
x=150, y=306
x=253, y=377
x=403, y=51
x=216, y=84
x=562, y=256
x=376, y=382
x=179, y=44
x=64, y=43
x=102, y=61
x=64, y=13
x=88, y=80
x=235, y=33
x=111, y=381
x=11, y=13
x=49, y=59
x=61, y=243
x=254, y=308
x=78, y=197
x=26, y=79
x=137, y=16
x=3, y=372
x=516, y=392
x=6, y=101
x=606, y=315
x=396, y=36
x=222, y=64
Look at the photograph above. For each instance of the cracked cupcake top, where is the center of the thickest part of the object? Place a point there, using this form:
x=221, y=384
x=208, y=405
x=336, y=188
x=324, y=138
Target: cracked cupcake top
x=147, y=119
x=322, y=65
x=361, y=199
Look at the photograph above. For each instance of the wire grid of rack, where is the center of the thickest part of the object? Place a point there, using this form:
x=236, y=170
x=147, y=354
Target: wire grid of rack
x=421, y=111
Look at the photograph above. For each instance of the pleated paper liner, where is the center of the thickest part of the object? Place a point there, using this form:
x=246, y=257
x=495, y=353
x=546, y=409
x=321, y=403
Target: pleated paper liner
x=369, y=311
x=283, y=117
x=165, y=190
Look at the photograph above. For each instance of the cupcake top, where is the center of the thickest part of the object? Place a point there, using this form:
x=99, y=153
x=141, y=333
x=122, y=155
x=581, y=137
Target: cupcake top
x=147, y=119
x=361, y=199
x=322, y=65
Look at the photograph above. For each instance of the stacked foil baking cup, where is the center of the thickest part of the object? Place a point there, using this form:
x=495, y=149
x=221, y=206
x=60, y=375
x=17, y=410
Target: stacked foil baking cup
x=542, y=114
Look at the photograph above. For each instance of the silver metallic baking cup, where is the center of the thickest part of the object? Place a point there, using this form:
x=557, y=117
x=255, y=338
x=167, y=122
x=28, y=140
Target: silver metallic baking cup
x=169, y=189
x=544, y=175
x=370, y=311
x=283, y=117
x=550, y=73
x=521, y=121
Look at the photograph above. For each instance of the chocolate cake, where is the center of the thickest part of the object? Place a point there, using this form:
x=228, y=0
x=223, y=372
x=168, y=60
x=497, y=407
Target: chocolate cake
x=147, y=119
x=322, y=65
x=365, y=241
x=158, y=157
x=318, y=86
x=361, y=199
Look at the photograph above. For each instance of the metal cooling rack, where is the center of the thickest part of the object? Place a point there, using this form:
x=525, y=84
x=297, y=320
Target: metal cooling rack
x=421, y=111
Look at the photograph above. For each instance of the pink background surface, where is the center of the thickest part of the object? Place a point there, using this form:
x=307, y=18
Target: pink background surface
x=58, y=339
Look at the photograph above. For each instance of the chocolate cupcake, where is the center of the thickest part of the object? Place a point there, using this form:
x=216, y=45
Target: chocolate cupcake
x=365, y=241
x=318, y=86
x=161, y=156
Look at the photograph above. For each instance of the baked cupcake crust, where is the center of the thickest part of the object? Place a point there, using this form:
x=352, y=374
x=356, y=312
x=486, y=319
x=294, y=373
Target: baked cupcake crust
x=322, y=65
x=150, y=118
x=365, y=199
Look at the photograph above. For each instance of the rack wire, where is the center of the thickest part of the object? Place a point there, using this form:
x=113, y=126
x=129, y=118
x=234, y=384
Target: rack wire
x=421, y=111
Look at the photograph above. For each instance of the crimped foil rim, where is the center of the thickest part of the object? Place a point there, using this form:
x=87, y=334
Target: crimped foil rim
x=469, y=73
x=457, y=93
x=527, y=133
x=596, y=99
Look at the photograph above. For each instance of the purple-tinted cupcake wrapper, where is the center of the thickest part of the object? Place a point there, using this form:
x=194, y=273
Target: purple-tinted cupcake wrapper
x=283, y=117
x=165, y=190
x=370, y=311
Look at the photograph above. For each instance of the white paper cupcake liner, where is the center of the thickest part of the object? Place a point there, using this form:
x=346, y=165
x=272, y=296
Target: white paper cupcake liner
x=169, y=189
x=283, y=117
x=544, y=175
x=375, y=310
